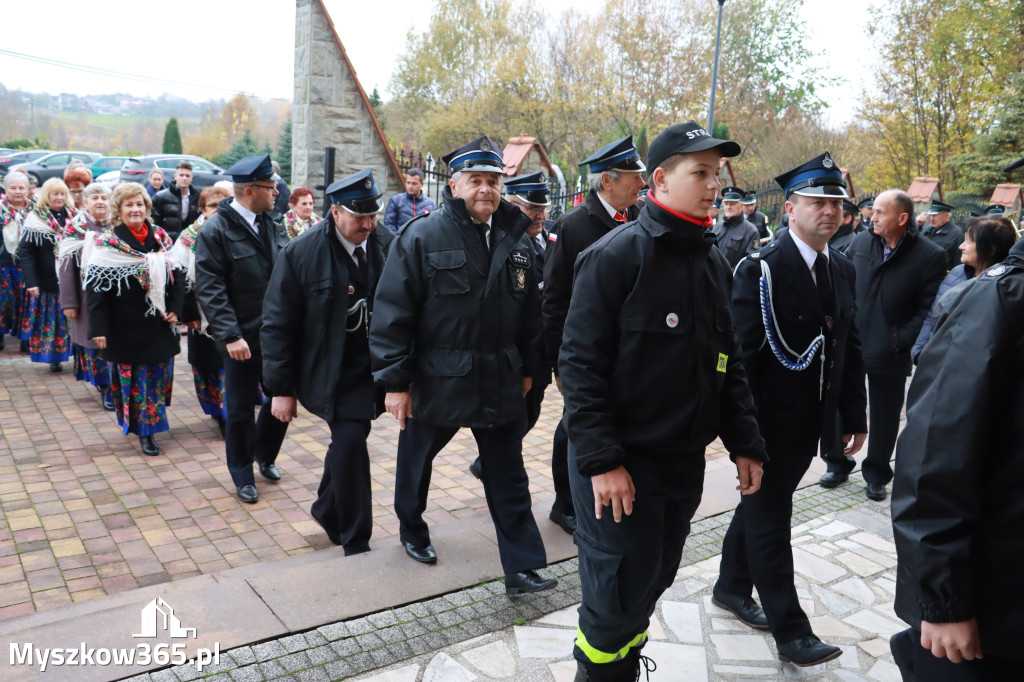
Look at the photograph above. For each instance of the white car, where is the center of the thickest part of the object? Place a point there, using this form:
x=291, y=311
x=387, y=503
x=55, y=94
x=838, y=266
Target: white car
x=110, y=178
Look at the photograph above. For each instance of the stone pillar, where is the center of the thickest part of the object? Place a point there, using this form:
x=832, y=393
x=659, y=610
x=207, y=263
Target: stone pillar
x=330, y=109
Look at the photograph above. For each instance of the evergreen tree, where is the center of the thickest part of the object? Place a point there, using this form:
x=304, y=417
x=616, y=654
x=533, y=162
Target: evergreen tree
x=172, y=137
x=284, y=152
x=245, y=145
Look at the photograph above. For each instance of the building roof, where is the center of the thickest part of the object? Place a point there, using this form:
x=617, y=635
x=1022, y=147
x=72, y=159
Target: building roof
x=516, y=151
x=923, y=189
x=1007, y=195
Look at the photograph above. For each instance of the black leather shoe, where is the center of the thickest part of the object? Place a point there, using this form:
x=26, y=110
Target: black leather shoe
x=56, y=367
x=832, y=479
x=270, y=472
x=1, y=341
x=424, y=555
x=744, y=608
x=566, y=522
x=476, y=469
x=248, y=494
x=807, y=651
x=876, y=492
x=149, y=446
x=527, y=582
x=23, y=348
x=108, y=400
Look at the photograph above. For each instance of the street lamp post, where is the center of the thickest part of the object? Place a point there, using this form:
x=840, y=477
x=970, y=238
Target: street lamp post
x=714, y=70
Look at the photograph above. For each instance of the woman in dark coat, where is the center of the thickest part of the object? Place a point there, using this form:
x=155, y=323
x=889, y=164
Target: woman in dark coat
x=987, y=241
x=134, y=299
x=15, y=205
x=89, y=366
x=43, y=324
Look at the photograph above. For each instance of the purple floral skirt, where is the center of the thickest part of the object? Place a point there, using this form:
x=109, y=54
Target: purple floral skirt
x=141, y=395
x=45, y=328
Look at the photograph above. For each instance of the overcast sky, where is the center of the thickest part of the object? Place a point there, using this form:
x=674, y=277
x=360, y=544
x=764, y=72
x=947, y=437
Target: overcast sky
x=203, y=49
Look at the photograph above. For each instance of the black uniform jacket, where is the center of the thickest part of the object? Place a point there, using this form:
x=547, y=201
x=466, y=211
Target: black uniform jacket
x=949, y=237
x=736, y=237
x=305, y=314
x=760, y=221
x=894, y=296
x=957, y=507
x=167, y=209
x=650, y=363
x=843, y=237
x=455, y=326
x=793, y=403
x=571, y=234
x=133, y=337
x=542, y=372
x=233, y=268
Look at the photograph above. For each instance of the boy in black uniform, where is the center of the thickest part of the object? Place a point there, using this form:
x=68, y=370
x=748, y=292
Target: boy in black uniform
x=651, y=374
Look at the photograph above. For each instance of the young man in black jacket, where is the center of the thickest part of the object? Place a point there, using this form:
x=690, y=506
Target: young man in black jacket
x=235, y=254
x=316, y=322
x=176, y=207
x=651, y=370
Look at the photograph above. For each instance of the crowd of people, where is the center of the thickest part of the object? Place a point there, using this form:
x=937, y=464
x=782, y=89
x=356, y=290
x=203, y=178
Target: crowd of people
x=784, y=343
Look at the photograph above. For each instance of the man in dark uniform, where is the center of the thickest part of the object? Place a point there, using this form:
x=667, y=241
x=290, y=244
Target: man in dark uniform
x=753, y=216
x=866, y=208
x=616, y=178
x=800, y=398
x=945, y=233
x=454, y=341
x=235, y=254
x=651, y=372
x=898, y=273
x=848, y=229
x=530, y=193
x=736, y=236
x=957, y=510
x=316, y=321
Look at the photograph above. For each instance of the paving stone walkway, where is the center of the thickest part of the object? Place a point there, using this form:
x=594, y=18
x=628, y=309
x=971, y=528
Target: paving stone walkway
x=845, y=563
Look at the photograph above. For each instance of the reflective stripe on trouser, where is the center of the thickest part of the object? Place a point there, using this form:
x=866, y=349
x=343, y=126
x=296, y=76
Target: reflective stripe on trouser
x=603, y=657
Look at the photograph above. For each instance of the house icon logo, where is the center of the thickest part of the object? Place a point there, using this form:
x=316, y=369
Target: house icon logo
x=158, y=615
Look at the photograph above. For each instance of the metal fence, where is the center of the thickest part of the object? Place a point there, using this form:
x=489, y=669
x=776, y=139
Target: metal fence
x=436, y=172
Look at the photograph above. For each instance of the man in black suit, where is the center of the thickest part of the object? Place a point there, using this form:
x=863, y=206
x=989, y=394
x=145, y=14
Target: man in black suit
x=316, y=319
x=807, y=378
x=616, y=178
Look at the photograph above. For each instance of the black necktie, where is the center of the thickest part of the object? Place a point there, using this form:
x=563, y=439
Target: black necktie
x=481, y=229
x=821, y=274
x=360, y=256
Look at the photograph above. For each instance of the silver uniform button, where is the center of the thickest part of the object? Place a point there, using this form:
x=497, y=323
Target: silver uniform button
x=672, y=320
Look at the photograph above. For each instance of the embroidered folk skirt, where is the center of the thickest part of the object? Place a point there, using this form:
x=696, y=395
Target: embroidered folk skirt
x=11, y=300
x=141, y=395
x=210, y=391
x=90, y=367
x=45, y=328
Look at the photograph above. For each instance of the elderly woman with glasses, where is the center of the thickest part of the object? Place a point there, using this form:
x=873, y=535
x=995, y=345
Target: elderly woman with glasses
x=76, y=177
x=15, y=205
x=43, y=324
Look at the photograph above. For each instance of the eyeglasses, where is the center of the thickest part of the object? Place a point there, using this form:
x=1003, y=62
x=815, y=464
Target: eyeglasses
x=77, y=192
x=270, y=187
x=532, y=210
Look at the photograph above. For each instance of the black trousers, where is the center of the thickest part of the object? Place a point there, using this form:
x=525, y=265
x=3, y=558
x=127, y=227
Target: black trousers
x=625, y=567
x=560, y=470
x=506, y=487
x=886, y=394
x=247, y=440
x=756, y=551
x=343, y=505
x=833, y=453
x=927, y=667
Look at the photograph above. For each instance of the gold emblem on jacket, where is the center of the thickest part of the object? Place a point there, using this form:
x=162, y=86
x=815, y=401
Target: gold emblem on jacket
x=521, y=278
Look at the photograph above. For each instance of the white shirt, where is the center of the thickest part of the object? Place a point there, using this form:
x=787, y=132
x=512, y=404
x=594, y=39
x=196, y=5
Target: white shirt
x=487, y=232
x=807, y=252
x=350, y=248
x=539, y=239
x=607, y=206
x=248, y=216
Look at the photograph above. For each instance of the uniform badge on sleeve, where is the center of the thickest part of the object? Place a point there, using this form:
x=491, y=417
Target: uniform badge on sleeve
x=519, y=258
x=520, y=278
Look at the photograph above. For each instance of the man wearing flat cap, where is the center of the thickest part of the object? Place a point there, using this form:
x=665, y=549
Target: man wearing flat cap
x=616, y=178
x=946, y=234
x=848, y=229
x=651, y=372
x=755, y=217
x=235, y=254
x=736, y=236
x=315, y=338
x=454, y=340
x=898, y=272
x=807, y=378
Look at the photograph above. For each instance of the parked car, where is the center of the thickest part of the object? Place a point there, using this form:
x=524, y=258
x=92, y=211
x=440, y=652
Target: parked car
x=137, y=168
x=110, y=178
x=8, y=160
x=105, y=164
x=52, y=165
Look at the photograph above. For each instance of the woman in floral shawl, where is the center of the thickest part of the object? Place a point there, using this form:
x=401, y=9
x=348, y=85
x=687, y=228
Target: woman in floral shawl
x=134, y=296
x=43, y=324
x=89, y=366
x=300, y=216
x=15, y=205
